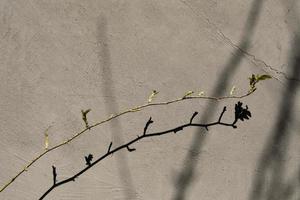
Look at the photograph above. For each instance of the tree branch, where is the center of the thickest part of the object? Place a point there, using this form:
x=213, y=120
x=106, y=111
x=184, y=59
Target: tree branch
x=238, y=110
x=134, y=109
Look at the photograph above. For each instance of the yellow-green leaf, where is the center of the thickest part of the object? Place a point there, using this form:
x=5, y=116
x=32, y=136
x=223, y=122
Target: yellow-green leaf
x=188, y=94
x=135, y=110
x=232, y=90
x=264, y=77
x=152, y=95
x=46, y=141
x=201, y=93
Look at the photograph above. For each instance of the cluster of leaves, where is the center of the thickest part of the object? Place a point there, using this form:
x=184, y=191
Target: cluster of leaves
x=88, y=159
x=255, y=79
x=241, y=113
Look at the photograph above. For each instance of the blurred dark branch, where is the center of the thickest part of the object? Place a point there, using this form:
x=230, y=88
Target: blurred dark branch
x=84, y=117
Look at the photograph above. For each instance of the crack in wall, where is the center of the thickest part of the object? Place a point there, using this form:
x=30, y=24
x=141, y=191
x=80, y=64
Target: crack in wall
x=276, y=71
x=256, y=61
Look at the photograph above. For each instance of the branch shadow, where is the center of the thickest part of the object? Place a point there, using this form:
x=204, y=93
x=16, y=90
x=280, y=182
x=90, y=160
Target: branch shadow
x=112, y=107
x=269, y=182
x=187, y=174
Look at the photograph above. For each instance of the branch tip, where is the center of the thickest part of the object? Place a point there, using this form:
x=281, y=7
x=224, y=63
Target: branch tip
x=54, y=174
x=193, y=116
x=220, y=118
x=177, y=129
x=109, y=147
x=150, y=121
x=130, y=149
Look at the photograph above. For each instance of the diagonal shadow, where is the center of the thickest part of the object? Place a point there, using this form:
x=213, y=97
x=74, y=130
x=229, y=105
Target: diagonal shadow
x=112, y=107
x=186, y=176
x=269, y=181
x=291, y=187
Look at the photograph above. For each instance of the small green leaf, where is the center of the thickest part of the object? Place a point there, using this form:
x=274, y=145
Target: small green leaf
x=252, y=80
x=263, y=77
x=46, y=141
x=135, y=110
x=232, y=90
x=188, y=94
x=152, y=95
x=202, y=93
x=47, y=138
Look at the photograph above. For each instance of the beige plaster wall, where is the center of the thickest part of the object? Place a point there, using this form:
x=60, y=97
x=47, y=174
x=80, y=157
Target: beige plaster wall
x=58, y=57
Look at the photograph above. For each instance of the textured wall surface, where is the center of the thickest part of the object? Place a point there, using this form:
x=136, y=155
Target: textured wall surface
x=58, y=57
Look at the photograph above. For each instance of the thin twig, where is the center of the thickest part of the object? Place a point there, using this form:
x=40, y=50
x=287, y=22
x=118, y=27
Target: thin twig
x=193, y=116
x=54, y=174
x=147, y=125
x=109, y=147
x=148, y=135
x=134, y=109
x=224, y=109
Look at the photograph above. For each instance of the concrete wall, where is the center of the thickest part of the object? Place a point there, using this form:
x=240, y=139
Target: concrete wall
x=58, y=57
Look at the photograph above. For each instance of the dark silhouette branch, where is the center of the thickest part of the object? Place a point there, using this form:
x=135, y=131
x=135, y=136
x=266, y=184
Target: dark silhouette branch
x=193, y=116
x=240, y=114
x=147, y=125
x=224, y=110
x=54, y=174
x=109, y=147
x=130, y=149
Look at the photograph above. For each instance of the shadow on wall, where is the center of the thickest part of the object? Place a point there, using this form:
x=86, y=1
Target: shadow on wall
x=269, y=182
x=111, y=105
x=186, y=176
